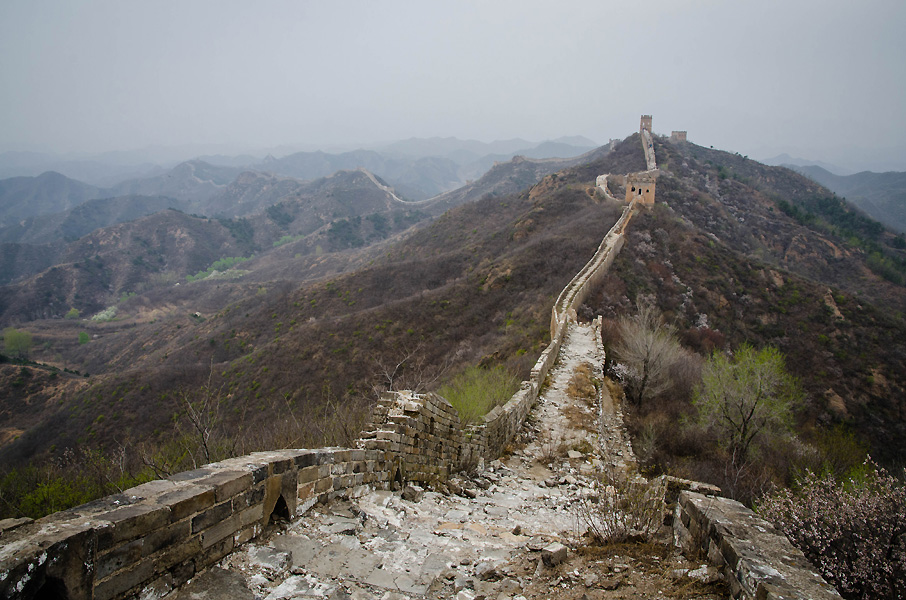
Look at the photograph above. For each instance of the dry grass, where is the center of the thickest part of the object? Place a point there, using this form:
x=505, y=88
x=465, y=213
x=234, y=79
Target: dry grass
x=582, y=385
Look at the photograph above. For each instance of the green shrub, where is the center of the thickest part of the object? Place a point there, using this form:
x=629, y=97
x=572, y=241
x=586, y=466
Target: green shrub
x=84, y=338
x=73, y=313
x=475, y=392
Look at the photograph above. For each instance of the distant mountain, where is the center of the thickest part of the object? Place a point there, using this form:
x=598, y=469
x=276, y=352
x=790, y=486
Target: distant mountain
x=51, y=192
x=576, y=140
x=881, y=195
x=83, y=219
x=450, y=147
x=91, y=273
x=193, y=181
x=419, y=178
x=783, y=160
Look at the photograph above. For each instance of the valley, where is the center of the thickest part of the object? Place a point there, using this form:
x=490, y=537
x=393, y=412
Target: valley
x=331, y=284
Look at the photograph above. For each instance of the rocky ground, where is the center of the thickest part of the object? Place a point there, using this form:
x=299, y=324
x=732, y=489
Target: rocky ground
x=513, y=529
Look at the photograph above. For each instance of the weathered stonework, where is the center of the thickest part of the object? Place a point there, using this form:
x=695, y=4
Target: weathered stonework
x=640, y=187
x=678, y=136
x=757, y=561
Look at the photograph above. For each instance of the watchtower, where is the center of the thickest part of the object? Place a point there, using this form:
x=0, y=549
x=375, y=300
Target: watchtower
x=677, y=136
x=646, y=123
x=640, y=187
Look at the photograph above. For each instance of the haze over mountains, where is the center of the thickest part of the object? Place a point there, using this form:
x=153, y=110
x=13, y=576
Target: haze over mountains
x=880, y=195
x=341, y=273
x=111, y=168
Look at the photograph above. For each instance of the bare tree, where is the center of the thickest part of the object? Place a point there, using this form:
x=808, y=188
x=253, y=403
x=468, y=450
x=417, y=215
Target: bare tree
x=647, y=349
x=407, y=369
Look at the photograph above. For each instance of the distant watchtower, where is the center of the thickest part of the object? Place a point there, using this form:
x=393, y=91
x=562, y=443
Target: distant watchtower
x=646, y=124
x=640, y=187
x=678, y=136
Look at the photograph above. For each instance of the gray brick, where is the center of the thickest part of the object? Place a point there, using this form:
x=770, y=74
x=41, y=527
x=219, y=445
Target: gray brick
x=212, y=516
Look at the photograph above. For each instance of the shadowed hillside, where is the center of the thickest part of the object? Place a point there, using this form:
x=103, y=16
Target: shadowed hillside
x=475, y=286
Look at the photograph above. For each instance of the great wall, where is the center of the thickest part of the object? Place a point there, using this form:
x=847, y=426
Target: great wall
x=358, y=523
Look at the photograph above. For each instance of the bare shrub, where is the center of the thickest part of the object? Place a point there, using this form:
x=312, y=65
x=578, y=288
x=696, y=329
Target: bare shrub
x=647, y=348
x=854, y=532
x=623, y=506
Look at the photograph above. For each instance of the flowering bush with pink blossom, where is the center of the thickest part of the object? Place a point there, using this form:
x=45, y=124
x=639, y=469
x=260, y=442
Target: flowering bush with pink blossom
x=854, y=532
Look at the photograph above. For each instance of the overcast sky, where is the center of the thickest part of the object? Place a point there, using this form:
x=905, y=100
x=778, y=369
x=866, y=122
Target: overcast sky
x=815, y=78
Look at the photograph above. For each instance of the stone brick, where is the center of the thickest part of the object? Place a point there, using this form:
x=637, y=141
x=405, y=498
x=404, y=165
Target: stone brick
x=168, y=536
x=249, y=533
x=177, y=554
x=306, y=490
x=212, y=516
x=281, y=465
x=217, y=532
x=187, y=501
x=309, y=474
x=251, y=515
x=115, y=559
x=306, y=459
x=130, y=522
x=322, y=485
x=227, y=484
x=123, y=581
x=214, y=553
x=249, y=498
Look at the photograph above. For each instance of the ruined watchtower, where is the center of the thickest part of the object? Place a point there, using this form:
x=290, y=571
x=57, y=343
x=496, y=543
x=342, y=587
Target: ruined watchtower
x=646, y=124
x=640, y=187
x=677, y=136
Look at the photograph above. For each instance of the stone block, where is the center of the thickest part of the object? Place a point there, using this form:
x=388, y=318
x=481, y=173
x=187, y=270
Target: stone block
x=249, y=498
x=130, y=522
x=212, y=516
x=219, y=531
x=191, y=475
x=304, y=490
x=115, y=559
x=187, y=501
x=553, y=554
x=281, y=465
x=227, y=484
x=251, y=515
x=10, y=524
x=340, y=469
x=247, y=534
x=306, y=458
x=214, y=553
x=168, y=536
x=152, y=489
x=123, y=581
x=177, y=554
x=309, y=474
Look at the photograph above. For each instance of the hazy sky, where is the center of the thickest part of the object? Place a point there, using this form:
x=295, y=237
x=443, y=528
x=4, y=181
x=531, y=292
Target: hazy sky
x=811, y=78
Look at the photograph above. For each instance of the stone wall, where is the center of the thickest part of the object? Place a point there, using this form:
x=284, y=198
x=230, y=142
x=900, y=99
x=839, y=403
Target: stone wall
x=575, y=293
x=601, y=184
x=648, y=147
x=757, y=561
x=156, y=536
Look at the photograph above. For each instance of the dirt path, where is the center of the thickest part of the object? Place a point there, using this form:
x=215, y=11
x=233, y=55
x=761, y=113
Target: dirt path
x=485, y=535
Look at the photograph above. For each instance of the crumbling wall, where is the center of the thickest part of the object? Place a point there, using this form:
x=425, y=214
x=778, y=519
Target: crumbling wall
x=156, y=536
x=757, y=561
